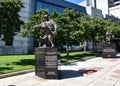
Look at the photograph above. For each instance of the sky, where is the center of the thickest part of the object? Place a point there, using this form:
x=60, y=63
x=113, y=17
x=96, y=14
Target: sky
x=75, y=1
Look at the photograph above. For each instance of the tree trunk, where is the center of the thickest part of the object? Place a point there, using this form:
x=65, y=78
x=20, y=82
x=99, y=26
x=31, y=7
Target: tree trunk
x=85, y=46
x=67, y=51
x=95, y=47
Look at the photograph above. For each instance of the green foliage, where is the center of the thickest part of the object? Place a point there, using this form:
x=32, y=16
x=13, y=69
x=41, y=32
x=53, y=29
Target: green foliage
x=115, y=29
x=98, y=30
x=59, y=39
x=70, y=26
x=9, y=18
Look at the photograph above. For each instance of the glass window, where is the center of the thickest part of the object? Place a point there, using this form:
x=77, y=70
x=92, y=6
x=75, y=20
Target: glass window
x=61, y=10
x=44, y=5
x=38, y=5
x=50, y=7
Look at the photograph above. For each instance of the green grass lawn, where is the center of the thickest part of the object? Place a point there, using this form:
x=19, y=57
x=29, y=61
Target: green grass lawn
x=74, y=56
x=13, y=63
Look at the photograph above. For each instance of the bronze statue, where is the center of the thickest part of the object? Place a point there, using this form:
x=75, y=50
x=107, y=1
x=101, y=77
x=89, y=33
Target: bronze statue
x=50, y=28
x=109, y=37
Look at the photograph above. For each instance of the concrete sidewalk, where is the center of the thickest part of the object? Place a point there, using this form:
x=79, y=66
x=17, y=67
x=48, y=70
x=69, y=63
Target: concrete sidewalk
x=93, y=72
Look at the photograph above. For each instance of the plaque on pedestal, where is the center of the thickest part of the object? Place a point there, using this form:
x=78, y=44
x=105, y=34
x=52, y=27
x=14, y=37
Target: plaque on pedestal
x=46, y=63
x=51, y=64
x=109, y=51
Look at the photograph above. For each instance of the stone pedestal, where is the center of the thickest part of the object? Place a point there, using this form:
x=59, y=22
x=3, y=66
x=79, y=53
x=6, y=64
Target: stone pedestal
x=46, y=63
x=109, y=51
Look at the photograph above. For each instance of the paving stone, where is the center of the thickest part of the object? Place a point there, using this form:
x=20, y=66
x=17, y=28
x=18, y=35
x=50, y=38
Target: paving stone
x=117, y=83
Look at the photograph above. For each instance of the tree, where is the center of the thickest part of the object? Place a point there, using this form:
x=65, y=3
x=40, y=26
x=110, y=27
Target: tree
x=69, y=22
x=114, y=28
x=97, y=31
x=9, y=19
x=83, y=30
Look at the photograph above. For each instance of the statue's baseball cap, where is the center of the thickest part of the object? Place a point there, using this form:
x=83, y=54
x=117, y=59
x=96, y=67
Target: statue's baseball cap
x=46, y=15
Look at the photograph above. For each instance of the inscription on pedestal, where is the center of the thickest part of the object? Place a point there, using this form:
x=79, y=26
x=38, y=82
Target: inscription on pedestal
x=51, y=61
x=109, y=50
x=51, y=64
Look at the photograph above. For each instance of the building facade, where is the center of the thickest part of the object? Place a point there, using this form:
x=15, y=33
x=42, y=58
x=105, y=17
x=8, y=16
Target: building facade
x=22, y=45
x=95, y=8
x=108, y=7
x=114, y=9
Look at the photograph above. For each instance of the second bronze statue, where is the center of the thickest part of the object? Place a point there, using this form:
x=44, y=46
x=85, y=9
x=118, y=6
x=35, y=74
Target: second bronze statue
x=109, y=37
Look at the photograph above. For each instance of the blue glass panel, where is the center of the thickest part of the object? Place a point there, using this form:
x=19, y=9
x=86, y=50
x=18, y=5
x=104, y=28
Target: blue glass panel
x=38, y=5
x=50, y=7
x=44, y=5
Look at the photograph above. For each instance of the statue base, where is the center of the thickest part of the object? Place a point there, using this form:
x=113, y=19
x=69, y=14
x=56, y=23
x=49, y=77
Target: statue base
x=46, y=63
x=109, y=50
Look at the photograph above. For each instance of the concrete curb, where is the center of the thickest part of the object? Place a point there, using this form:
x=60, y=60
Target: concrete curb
x=16, y=73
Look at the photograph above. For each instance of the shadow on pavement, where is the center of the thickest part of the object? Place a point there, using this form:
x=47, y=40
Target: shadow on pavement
x=64, y=74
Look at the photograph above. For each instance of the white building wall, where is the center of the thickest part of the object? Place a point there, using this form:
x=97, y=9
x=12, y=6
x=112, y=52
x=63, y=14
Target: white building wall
x=115, y=11
x=94, y=12
x=83, y=3
x=102, y=5
x=91, y=10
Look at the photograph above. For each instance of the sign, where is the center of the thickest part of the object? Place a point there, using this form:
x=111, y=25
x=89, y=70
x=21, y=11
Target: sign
x=51, y=64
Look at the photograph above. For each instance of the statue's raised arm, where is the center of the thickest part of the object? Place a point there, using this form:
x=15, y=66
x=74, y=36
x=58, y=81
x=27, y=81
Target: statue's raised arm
x=41, y=25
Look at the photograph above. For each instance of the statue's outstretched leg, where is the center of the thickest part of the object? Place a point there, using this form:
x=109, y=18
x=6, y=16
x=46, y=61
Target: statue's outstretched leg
x=50, y=38
x=44, y=41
